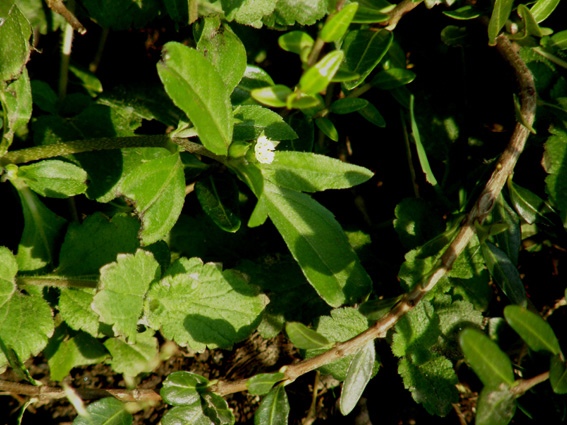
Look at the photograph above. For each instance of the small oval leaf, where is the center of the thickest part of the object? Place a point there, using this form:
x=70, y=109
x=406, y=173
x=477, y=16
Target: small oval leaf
x=358, y=376
x=328, y=128
x=181, y=388
x=305, y=338
x=274, y=408
x=392, y=78
x=318, y=77
x=297, y=42
x=263, y=383
x=348, y=105
x=337, y=25
x=108, y=411
x=558, y=375
x=373, y=115
x=535, y=331
x=495, y=407
x=274, y=96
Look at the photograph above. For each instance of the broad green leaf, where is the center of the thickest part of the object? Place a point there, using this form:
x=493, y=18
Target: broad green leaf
x=304, y=128
x=543, y=8
x=504, y=273
x=15, y=48
x=26, y=321
x=500, y=14
x=392, y=78
x=216, y=408
x=95, y=242
x=120, y=294
x=559, y=40
x=422, y=155
x=157, y=189
x=348, y=105
x=42, y=230
x=133, y=359
x=495, y=406
x=528, y=205
x=309, y=172
x=417, y=330
x=263, y=383
x=108, y=411
x=75, y=308
x=196, y=87
x=318, y=244
x=16, y=102
x=251, y=121
x=122, y=14
x=247, y=12
x=274, y=96
x=180, y=415
x=317, y=78
x=338, y=24
x=274, y=408
x=491, y=364
x=364, y=49
x=64, y=352
x=201, y=306
x=298, y=42
x=304, y=338
x=535, y=331
x=224, y=50
x=302, y=12
x=344, y=75
x=254, y=78
x=54, y=178
x=182, y=388
x=463, y=13
x=328, y=128
x=558, y=375
x=218, y=196
x=358, y=376
x=373, y=115
x=554, y=164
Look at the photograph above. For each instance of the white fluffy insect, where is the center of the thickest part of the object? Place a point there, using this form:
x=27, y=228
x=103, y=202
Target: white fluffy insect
x=264, y=149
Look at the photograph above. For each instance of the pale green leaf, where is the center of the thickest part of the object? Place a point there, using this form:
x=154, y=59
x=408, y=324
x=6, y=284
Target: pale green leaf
x=558, y=375
x=535, y=331
x=133, y=359
x=15, y=48
x=196, y=87
x=302, y=12
x=500, y=14
x=274, y=408
x=108, y=411
x=75, y=308
x=543, y=8
x=54, y=178
x=201, y=306
x=190, y=414
x=358, y=376
x=491, y=364
x=218, y=196
x=157, y=189
x=262, y=383
x=317, y=78
x=495, y=406
x=88, y=80
x=182, y=388
x=338, y=24
x=298, y=42
x=16, y=102
x=364, y=49
x=304, y=338
x=251, y=121
x=309, y=172
x=120, y=294
x=254, y=78
x=274, y=96
x=463, y=13
x=247, y=12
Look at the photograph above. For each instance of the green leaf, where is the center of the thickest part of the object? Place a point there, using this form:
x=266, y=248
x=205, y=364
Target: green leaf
x=26, y=321
x=263, y=383
x=422, y=155
x=181, y=415
x=16, y=101
x=42, y=20
x=274, y=408
x=75, y=309
x=318, y=244
x=157, y=189
x=364, y=49
x=530, y=28
x=543, y=8
x=358, y=376
x=338, y=24
x=504, y=273
x=302, y=12
x=298, y=42
x=133, y=359
x=348, y=105
x=372, y=11
x=54, y=178
x=122, y=14
x=500, y=14
x=328, y=128
x=88, y=80
x=554, y=164
x=309, y=172
x=182, y=388
x=178, y=11
x=108, y=411
x=304, y=338
x=535, y=331
x=417, y=222
x=509, y=240
x=495, y=406
x=247, y=12
x=317, y=78
x=558, y=375
x=274, y=96
x=42, y=228
x=251, y=121
x=491, y=364
x=254, y=78
x=392, y=78
x=463, y=13
x=373, y=115
x=216, y=408
x=218, y=196
x=201, y=306
x=559, y=40
x=224, y=50
x=528, y=205
x=196, y=87
x=120, y=294
x=15, y=48
x=65, y=352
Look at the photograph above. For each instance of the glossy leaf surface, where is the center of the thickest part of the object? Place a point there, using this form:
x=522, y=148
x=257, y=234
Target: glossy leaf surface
x=274, y=408
x=182, y=388
x=338, y=24
x=318, y=77
x=108, y=411
x=500, y=14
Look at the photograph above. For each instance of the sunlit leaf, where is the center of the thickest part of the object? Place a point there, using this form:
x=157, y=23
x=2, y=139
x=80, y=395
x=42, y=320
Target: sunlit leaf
x=328, y=128
x=262, y=384
x=543, y=8
x=54, y=178
x=338, y=24
x=500, y=14
x=304, y=338
x=318, y=77
x=182, y=388
x=108, y=411
x=535, y=331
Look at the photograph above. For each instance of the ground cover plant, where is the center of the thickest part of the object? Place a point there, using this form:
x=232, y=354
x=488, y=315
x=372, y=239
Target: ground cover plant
x=283, y=211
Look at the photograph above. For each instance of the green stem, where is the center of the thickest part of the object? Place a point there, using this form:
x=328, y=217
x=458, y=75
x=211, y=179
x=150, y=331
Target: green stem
x=57, y=282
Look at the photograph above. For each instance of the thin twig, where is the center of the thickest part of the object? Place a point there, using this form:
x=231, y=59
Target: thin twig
x=400, y=10
x=524, y=385
x=58, y=7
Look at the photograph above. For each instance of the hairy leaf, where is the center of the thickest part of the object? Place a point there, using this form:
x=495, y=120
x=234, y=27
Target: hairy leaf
x=218, y=196
x=133, y=359
x=302, y=12
x=108, y=411
x=254, y=78
x=495, y=406
x=54, y=178
x=16, y=102
x=251, y=121
x=15, y=48
x=247, y=12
